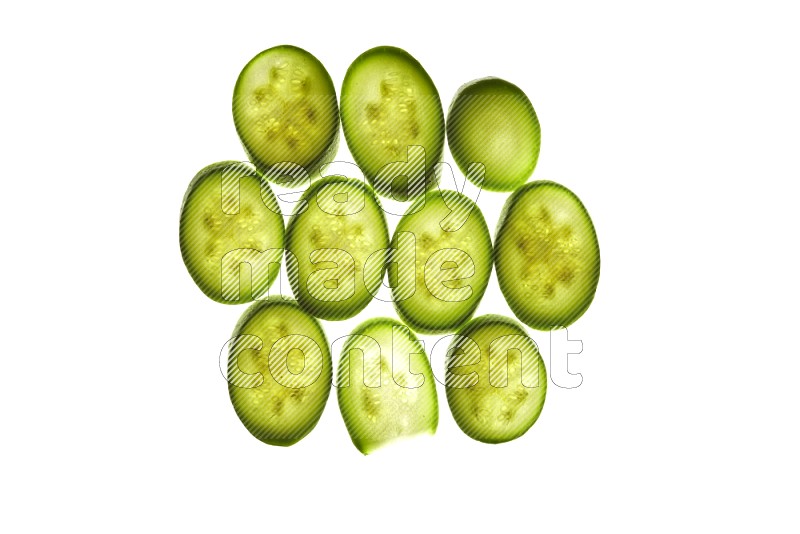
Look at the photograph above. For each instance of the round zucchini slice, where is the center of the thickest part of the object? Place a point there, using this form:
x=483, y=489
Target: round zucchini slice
x=386, y=389
x=279, y=371
x=285, y=110
x=491, y=121
x=546, y=255
x=442, y=262
x=335, y=229
x=230, y=218
x=496, y=381
x=393, y=121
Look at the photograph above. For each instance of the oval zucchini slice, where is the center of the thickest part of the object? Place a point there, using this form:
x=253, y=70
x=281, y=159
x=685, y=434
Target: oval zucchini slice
x=389, y=103
x=386, y=387
x=230, y=218
x=279, y=371
x=491, y=121
x=441, y=263
x=496, y=381
x=547, y=256
x=337, y=225
x=285, y=110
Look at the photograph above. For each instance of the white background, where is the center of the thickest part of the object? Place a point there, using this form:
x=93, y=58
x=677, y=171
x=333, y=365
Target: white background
x=676, y=126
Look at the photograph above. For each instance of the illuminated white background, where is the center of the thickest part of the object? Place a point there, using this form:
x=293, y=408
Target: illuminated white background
x=675, y=125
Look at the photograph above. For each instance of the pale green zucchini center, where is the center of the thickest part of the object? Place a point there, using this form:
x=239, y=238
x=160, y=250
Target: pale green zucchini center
x=550, y=254
x=392, y=121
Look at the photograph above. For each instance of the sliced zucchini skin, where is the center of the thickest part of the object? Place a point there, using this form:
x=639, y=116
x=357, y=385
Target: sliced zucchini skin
x=301, y=128
x=388, y=103
x=547, y=255
x=358, y=234
x=487, y=411
x=425, y=312
x=377, y=416
x=492, y=121
x=272, y=412
x=207, y=233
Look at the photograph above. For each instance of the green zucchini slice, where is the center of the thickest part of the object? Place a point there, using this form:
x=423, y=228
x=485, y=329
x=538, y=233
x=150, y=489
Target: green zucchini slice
x=386, y=389
x=285, y=110
x=393, y=121
x=442, y=262
x=496, y=381
x=546, y=255
x=330, y=240
x=231, y=233
x=491, y=121
x=279, y=371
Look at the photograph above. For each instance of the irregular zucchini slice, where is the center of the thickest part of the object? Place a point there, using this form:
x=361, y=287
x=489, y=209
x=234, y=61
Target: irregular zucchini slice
x=390, y=107
x=279, y=371
x=285, y=110
x=386, y=389
x=229, y=220
x=547, y=255
x=491, y=121
x=337, y=225
x=496, y=381
x=442, y=262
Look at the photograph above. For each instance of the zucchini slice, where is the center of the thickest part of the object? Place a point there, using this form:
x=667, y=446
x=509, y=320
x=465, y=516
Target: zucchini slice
x=390, y=107
x=285, y=110
x=546, y=255
x=337, y=225
x=279, y=371
x=491, y=121
x=496, y=381
x=444, y=243
x=229, y=220
x=386, y=389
